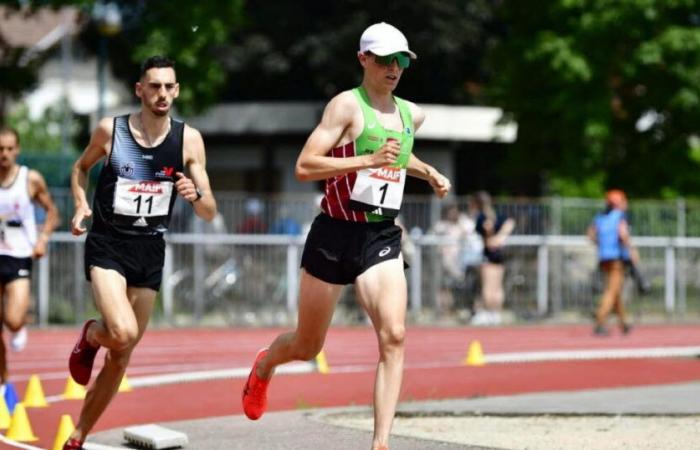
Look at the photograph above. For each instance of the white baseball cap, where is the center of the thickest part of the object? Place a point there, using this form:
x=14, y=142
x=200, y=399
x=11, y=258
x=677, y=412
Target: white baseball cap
x=383, y=39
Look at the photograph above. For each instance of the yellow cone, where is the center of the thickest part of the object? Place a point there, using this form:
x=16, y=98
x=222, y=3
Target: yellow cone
x=322, y=363
x=5, y=417
x=73, y=390
x=124, y=386
x=475, y=356
x=65, y=428
x=20, y=428
x=34, y=395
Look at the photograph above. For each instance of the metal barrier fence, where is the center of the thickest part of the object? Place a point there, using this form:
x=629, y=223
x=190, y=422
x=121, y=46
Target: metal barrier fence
x=248, y=213
x=243, y=267
x=249, y=279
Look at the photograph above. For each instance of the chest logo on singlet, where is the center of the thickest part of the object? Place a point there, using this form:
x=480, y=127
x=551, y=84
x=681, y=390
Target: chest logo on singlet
x=167, y=172
x=385, y=251
x=126, y=169
x=371, y=125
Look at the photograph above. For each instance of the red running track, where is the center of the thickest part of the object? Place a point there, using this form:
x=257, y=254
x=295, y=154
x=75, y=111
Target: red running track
x=434, y=369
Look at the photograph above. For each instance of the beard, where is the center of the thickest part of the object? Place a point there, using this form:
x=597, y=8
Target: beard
x=153, y=107
x=160, y=112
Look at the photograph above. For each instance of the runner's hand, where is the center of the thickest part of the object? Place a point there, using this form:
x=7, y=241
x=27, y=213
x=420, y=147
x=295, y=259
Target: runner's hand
x=40, y=246
x=81, y=214
x=386, y=155
x=440, y=184
x=185, y=187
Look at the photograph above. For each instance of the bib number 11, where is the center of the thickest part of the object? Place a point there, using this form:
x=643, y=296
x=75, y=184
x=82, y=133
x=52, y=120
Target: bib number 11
x=148, y=200
x=142, y=198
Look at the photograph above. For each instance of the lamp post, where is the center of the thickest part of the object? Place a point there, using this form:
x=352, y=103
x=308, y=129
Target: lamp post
x=109, y=22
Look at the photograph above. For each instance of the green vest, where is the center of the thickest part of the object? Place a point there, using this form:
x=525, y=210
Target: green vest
x=374, y=136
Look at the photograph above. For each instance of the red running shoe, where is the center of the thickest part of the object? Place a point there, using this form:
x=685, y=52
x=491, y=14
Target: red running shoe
x=82, y=358
x=255, y=391
x=73, y=444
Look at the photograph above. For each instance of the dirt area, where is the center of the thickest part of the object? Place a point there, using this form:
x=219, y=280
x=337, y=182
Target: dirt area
x=547, y=432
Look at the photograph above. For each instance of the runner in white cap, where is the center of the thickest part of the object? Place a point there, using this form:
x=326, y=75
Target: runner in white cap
x=363, y=149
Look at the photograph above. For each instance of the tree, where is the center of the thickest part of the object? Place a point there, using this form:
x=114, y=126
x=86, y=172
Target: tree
x=306, y=50
x=605, y=93
x=191, y=33
x=19, y=67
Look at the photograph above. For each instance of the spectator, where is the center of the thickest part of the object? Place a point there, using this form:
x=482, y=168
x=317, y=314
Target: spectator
x=456, y=227
x=610, y=231
x=253, y=222
x=472, y=257
x=285, y=224
x=494, y=230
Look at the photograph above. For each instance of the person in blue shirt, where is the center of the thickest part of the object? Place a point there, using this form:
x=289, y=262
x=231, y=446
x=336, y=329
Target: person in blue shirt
x=610, y=231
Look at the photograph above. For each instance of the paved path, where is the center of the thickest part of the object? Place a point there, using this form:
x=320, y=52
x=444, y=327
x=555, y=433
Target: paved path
x=325, y=428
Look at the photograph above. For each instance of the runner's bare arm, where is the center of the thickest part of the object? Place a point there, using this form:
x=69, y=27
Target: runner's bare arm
x=315, y=164
x=97, y=148
x=623, y=231
x=195, y=161
x=39, y=192
x=417, y=168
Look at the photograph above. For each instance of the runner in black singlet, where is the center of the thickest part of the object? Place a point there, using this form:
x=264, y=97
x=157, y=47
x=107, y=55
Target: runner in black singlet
x=146, y=154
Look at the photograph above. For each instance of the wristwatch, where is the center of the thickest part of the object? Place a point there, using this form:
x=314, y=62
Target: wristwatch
x=199, y=194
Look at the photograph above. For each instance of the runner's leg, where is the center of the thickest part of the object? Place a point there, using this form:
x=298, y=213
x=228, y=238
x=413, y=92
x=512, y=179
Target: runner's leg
x=3, y=351
x=383, y=294
x=125, y=315
x=317, y=301
x=16, y=303
x=615, y=279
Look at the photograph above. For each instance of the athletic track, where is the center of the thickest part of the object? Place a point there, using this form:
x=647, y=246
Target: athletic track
x=434, y=368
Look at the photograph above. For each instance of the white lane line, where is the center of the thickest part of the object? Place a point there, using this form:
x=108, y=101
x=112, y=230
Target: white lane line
x=495, y=358
x=561, y=355
x=91, y=446
x=16, y=444
x=205, y=375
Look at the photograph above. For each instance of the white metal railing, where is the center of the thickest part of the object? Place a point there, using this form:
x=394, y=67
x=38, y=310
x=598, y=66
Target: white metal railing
x=293, y=245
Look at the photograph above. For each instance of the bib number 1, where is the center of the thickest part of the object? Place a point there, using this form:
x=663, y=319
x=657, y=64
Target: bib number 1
x=379, y=188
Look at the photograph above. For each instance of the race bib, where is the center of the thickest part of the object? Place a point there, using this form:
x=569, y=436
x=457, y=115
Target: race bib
x=380, y=188
x=12, y=236
x=142, y=198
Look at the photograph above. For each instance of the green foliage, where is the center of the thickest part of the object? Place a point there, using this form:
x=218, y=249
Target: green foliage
x=306, y=50
x=190, y=33
x=42, y=143
x=578, y=77
x=43, y=134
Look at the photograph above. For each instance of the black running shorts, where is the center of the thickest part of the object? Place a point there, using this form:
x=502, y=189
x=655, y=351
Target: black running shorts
x=338, y=251
x=139, y=261
x=12, y=268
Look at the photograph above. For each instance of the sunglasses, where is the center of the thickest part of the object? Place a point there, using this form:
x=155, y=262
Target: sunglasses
x=402, y=59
